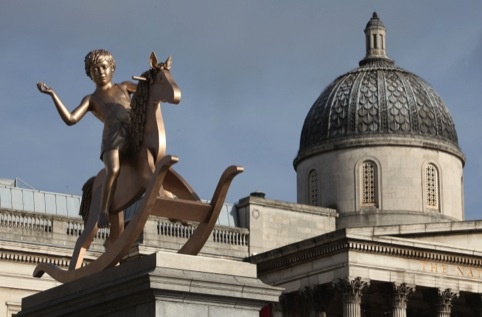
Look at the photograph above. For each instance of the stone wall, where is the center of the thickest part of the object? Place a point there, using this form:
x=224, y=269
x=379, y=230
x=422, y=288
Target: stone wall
x=273, y=224
x=400, y=187
x=28, y=238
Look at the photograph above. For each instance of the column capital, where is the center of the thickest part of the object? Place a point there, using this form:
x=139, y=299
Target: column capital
x=401, y=292
x=445, y=299
x=351, y=288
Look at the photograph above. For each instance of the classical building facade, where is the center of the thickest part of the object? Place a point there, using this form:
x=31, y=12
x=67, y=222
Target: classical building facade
x=378, y=228
x=380, y=147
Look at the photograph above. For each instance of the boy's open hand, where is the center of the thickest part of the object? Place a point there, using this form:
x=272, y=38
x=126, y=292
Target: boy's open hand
x=43, y=88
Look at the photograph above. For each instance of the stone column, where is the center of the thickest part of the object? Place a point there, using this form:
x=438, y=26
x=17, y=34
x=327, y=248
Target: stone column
x=400, y=297
x=352, y=293
x=277, y=308
x=445, y=299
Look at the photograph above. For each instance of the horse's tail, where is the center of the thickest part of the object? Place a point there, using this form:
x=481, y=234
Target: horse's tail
x=86, y=198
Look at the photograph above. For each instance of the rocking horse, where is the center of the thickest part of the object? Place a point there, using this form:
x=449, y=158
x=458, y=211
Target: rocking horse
x=145, y=175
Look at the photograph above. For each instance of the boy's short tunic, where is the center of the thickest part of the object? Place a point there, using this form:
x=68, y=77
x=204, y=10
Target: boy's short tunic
x=116, y=123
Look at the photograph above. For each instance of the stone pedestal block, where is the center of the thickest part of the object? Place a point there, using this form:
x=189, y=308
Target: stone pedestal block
x=161, y=284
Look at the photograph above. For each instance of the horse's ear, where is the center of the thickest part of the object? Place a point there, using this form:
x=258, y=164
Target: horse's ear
x=168, y=63
x=153, y=60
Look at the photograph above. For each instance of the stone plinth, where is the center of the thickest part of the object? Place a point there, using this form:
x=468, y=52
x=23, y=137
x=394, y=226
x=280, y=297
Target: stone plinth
x=161, y=284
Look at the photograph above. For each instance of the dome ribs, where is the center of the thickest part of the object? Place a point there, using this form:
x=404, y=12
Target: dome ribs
x=382, y=100
x=315, y=127
x=326, y=108
x=426, y=115
x=413, y=109
x=397, y=106
x=368, y=106
x=338, y=108
x=353, y=107
x=377, y=99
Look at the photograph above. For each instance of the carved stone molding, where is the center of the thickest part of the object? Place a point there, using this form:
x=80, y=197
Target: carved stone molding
x=26, y=258
x=344, y=245
x=321, y=251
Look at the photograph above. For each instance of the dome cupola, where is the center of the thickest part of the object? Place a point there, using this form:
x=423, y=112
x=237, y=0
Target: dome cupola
x=375, y=40
x=380, y=146
x=377, y=100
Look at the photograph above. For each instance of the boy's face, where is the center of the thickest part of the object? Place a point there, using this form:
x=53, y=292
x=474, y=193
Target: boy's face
x=102, y=73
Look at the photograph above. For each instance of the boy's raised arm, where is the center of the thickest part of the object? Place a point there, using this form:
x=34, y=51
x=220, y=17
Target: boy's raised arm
x=68, y=117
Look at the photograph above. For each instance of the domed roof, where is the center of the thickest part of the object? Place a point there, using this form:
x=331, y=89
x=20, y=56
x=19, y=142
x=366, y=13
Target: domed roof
x=375, y=22
x=377, y=100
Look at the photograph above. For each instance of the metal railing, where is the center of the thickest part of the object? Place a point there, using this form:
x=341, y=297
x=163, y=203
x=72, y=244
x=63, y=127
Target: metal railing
x=31, y=200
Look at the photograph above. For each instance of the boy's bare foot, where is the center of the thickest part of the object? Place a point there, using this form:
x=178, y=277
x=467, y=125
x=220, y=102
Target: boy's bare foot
x=103, y=220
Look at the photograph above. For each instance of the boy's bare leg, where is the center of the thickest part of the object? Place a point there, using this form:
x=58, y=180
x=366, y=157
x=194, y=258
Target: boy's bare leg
x=112, y=167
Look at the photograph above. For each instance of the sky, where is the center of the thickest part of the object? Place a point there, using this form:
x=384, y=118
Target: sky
x=249, y=72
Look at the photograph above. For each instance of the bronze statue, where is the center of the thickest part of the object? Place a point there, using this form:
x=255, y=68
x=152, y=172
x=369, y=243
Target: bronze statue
x=136, y=165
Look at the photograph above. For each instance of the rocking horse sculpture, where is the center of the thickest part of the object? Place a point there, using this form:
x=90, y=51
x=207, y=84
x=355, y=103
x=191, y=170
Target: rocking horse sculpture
x=145, y=174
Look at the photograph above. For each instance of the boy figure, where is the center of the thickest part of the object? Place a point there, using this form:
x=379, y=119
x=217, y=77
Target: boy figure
x=110, y=103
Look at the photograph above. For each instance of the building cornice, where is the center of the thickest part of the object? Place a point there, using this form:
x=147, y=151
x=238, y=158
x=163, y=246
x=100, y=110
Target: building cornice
x=424, y=142
x=289, y=206
x=319, y=248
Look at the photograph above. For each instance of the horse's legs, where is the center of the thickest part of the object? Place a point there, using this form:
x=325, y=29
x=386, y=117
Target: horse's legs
x=116, y=228
x=83, y=242
x=90, y=226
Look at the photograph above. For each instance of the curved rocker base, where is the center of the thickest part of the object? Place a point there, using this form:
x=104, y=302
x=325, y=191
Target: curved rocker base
x=179, y=209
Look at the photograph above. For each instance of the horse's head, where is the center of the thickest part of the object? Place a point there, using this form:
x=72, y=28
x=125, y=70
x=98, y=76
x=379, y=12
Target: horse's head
x=163, y=88
x=155, y=85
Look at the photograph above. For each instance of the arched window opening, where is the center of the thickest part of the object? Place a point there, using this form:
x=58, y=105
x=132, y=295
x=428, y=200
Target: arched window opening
x=431, y=187
x=313, y=188
x=369, y=184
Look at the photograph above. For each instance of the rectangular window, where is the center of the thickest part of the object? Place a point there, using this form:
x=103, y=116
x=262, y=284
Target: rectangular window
x=369, y=183
x=431, y=183
x=313, y=188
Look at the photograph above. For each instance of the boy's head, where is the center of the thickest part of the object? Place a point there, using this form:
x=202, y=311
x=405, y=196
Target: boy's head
x=97, y=56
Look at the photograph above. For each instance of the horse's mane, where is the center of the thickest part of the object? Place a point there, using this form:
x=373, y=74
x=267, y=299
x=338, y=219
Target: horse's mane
x=138, y=112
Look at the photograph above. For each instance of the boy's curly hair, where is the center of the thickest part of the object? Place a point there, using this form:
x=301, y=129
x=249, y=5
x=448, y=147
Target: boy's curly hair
x=97, y=56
